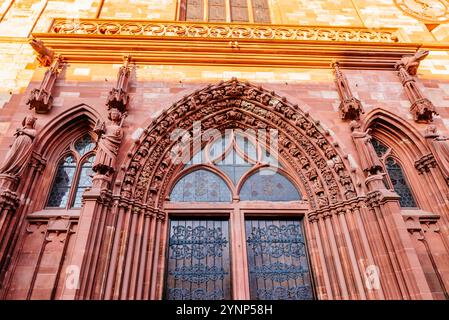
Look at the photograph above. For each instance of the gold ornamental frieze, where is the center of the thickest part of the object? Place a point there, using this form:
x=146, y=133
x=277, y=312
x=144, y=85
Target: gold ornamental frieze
x=102, y=27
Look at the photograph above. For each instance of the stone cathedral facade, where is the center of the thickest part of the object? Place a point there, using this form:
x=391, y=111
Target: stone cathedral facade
x=224, y=149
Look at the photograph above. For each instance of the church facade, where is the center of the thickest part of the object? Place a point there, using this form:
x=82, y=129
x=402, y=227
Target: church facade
x=224, y=149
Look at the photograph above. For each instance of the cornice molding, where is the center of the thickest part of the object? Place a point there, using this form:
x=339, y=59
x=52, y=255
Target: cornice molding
x=185, y=43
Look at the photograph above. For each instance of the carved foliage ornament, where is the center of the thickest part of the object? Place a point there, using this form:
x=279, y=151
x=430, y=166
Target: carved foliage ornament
x=229, y=31
x=430, y=11
x=234, y=104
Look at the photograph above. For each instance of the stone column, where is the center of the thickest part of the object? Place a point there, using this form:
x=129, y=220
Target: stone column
x=91, y=226
x=400, y=270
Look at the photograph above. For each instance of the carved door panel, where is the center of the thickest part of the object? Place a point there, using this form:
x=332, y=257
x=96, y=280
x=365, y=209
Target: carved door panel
x=198, y=260
x=277, y=260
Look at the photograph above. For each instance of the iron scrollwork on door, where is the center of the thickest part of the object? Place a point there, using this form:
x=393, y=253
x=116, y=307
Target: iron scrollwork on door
x=278, y=266
x=198, y=260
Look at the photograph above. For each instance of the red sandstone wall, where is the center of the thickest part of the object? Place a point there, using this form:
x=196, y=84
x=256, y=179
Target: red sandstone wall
x=44, y=253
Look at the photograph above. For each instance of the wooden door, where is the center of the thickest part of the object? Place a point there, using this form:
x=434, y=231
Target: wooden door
x=198, y=260
x=277, y=260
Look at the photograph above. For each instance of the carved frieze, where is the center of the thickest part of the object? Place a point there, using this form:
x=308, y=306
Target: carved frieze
x=211, y=30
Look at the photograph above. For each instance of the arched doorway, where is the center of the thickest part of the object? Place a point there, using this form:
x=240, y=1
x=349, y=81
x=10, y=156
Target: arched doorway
x=235, y=226
x=134, y=254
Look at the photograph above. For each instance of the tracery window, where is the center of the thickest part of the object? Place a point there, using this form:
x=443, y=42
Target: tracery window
x=238, y=175
x=253, y=173
x=395, y=178
x=73, y=174
x=225, y=11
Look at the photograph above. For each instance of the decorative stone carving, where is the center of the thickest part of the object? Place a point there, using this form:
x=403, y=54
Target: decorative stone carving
x=118, y=97
x=44, y=55
x=440, y=148
x=108, y=143
x=231, y=31
x=421, y=108
x=20, y=152
x=244, y=106
x=369, y=161
x=411, y=63
x=350, y=107
x=425, y=163
x=40, y=98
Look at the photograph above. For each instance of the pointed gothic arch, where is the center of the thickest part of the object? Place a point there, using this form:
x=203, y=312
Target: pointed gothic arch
x=66, y=126
x=145, y=180
x=394, y=130
x=52, y=142
x=408, y=146
x=234, y=104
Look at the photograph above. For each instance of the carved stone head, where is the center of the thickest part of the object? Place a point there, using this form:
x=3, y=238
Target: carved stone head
x=114, y=115
x=431, y=131
x=29, y=121
x=354, y=125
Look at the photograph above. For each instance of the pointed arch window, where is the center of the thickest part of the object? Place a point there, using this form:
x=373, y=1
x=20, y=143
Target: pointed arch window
x=257, y=11
x=234, y=162
x=395, y=178
x=73, y=174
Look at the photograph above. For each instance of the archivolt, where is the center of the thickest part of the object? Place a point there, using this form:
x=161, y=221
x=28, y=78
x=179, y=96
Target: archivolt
x=233, y=104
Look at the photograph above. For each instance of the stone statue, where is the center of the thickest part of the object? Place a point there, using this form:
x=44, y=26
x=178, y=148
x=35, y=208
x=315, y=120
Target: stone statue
x=20, y=152
x=108, y=143
x=440, y=148
x=369, y=161
x=411, y=63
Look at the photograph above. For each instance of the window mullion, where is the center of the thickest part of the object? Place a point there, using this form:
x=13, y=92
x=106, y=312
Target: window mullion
x=206, y=10
x=228, y=10
x=74, y=186
x=250, y=11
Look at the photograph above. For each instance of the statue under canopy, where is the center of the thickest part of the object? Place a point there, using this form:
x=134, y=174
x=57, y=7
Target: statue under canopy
x=369, y=161
x=20, y=152
x=108, y=143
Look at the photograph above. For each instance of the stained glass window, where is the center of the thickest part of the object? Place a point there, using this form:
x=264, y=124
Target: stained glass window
x=234, y=166
x=239, y=10
x=261, y=11
x=60, y=192
x=267, y=185
x=379, y=147
x=84, y=145
x=201, y=186
x=73, y=175
x=216, y=11
x=400, y=184
x=84, y=181
x=235, y=154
